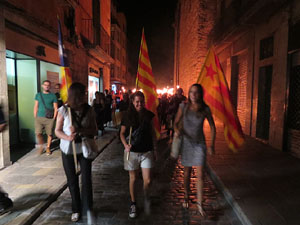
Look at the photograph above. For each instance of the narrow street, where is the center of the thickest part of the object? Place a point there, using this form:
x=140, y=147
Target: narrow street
x=111, y=195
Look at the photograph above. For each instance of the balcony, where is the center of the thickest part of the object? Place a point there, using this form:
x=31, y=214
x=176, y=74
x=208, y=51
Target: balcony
x=104, y=40
x=89, y=33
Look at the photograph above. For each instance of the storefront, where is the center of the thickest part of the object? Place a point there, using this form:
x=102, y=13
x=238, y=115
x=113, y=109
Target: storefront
x=95, y=82
x=25, y=75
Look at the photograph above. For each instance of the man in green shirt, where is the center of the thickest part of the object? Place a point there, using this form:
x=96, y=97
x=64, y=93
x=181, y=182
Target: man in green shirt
x=45, y=105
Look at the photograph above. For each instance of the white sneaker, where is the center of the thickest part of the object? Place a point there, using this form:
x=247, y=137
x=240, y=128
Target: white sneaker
x=132, y=211
x=75, y=217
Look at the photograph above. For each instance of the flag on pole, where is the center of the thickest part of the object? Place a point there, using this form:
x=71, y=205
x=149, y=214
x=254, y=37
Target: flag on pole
x=145, y=81
x=216, y=95
x=66, y=79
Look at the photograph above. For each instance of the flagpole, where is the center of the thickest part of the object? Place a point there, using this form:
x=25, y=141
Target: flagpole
x=129, y=142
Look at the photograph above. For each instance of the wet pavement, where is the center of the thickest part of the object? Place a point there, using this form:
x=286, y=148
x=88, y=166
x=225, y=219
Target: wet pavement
x=111, y=195
x=35, y=181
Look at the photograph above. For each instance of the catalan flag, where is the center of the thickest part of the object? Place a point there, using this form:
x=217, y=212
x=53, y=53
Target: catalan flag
x=66, y=79
x=145, y=81
x=216, y=95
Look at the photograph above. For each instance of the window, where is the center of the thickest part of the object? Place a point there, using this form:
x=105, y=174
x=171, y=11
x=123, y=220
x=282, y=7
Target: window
x=266, y=48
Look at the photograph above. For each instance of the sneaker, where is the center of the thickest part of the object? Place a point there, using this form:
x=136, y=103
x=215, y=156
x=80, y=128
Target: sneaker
x=48, y=151
x=147, y=206
x=5, y=205
x=75, y=217
x=132, y=211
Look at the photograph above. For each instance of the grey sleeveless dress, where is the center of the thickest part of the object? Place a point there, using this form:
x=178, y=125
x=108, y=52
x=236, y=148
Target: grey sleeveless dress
x=193, y=144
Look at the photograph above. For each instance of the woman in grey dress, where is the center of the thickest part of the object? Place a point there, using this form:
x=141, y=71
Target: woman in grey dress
x=192, y=115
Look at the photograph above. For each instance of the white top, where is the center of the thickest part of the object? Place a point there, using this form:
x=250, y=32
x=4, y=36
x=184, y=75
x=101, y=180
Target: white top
x=65, y=145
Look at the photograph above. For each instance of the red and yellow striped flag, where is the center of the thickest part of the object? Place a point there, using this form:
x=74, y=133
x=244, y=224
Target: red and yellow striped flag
x=145, y=81
x=66, y=79
x=216, y=95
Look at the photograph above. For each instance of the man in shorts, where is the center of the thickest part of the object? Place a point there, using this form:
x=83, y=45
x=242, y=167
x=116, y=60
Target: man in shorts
x=45, y=101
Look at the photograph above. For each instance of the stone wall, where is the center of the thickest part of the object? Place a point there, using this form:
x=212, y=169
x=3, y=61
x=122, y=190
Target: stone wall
x=191, y=41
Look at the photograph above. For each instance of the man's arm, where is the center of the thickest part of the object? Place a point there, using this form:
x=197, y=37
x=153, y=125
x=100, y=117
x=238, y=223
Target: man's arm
x=35, y=108
x=55, y=109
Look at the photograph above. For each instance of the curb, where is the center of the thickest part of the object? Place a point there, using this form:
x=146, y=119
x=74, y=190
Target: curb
x=228, y=196
x=42, y=206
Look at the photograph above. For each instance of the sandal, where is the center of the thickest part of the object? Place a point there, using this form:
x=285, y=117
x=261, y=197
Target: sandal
x=200, y=209
x=185, y=203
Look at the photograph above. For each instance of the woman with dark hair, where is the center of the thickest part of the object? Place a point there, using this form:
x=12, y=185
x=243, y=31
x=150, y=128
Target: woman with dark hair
x=84, y=126
x=143, y=142
x=192, y=115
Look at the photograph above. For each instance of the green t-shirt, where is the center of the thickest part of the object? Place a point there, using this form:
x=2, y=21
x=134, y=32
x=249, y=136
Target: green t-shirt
x=49, y=99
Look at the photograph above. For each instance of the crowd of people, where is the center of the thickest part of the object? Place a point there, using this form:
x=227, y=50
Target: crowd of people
x=77, y=120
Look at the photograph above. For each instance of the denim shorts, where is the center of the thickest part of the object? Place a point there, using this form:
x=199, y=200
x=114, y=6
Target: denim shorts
x=138, y=160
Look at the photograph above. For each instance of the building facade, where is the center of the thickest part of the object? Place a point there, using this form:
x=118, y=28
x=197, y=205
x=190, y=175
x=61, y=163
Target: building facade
x=29, y=55
x=119, y=68
x=257, y=44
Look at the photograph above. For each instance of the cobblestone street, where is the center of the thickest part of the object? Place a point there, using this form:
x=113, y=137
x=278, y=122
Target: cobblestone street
x=111, y=195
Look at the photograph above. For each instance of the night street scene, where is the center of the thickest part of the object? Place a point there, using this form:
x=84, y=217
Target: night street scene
x=170, y=112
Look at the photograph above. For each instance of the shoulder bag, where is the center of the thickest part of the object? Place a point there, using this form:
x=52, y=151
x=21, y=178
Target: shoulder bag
x=49, y=113
x=177, y=141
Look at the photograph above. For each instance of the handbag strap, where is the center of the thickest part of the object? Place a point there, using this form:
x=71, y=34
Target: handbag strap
x=43, y=101
x=76, y=118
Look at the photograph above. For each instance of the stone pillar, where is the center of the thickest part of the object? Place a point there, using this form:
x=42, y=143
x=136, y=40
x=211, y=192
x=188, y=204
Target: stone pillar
x=4, y=136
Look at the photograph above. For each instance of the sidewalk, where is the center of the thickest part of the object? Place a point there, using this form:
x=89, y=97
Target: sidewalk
x=262, y=184
x=35, y=181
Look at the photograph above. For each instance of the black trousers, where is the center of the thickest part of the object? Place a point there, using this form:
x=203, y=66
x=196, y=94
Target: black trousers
x=73, y=182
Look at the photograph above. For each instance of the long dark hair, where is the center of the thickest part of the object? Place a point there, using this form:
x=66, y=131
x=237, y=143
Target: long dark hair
x=76, y=94
x=200, y=101
x=135, y=117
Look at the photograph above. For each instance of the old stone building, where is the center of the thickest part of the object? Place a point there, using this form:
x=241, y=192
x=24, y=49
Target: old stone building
x=29, y=55
x=258, y=46
x=118, y=74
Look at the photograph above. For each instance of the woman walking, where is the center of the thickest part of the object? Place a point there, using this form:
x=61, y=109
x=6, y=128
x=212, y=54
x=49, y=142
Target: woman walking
x=84, y=126
x=143, y=143
x=99, y=108
x=192, y=114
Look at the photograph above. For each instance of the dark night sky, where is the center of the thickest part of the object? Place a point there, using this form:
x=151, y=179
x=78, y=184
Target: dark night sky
x=157, y=18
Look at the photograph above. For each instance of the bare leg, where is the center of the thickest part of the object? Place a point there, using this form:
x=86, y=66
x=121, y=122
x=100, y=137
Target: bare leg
x=40, y=140
x=187, y=176
x=132, y=178
x=48, y=151
x=200, y=189
x=49, y=139
x=147, y=181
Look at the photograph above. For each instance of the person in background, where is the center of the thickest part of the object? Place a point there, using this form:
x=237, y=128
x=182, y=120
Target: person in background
x=44, y=101
x=192, y=114
x=108, y=105
x=175, y=101
x=143, y=145
x=84, y=125
x=5, y=202
x=57, y=94
x=99, y=106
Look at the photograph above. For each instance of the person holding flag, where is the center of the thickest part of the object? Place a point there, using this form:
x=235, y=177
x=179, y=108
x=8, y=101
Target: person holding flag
x=75, y=121
x=141, y=124
x=140, y=144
